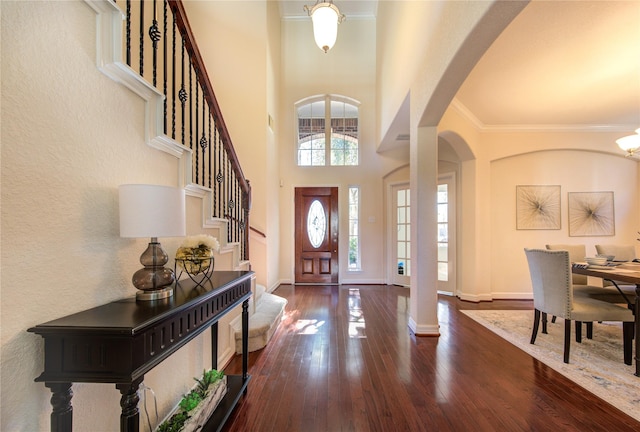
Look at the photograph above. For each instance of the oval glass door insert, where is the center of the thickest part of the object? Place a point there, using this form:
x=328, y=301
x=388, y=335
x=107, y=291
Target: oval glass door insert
x=316, y=224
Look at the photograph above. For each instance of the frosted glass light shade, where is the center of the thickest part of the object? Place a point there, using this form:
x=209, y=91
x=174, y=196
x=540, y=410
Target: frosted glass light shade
x=151, y=211
x=325, y=17
x=630, y=143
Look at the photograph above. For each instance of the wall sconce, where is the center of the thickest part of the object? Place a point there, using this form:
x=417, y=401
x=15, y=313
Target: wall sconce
x=152, y=211
x=325, y=17
x=630, y=143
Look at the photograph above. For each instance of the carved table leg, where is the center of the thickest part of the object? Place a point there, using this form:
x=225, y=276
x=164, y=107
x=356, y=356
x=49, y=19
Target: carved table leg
x=130, y=416
x=62, y=414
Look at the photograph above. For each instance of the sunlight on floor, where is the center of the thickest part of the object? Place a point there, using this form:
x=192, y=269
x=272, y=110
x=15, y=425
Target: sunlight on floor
x=308, y=327
x=356, y=316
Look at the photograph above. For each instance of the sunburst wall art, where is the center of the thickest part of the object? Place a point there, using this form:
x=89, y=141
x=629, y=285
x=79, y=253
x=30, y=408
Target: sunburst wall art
x=538, y=207
x=591, y=214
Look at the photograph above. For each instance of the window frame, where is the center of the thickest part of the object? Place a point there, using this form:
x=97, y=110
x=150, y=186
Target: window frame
x=327, y=134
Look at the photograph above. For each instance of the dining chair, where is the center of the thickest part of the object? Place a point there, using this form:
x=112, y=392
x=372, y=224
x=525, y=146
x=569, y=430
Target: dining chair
x=553, y=293
x=619, y=252
x=608, y=292
x=577, y=253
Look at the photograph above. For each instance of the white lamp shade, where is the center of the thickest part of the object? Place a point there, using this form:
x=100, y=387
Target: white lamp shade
x=151, y=211
x=325, y=17
x=629, y=143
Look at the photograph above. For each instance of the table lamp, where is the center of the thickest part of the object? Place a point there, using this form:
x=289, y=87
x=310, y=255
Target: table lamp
x=152, y=211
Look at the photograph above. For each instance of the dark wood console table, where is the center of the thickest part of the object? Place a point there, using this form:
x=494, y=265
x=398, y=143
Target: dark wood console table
x=121, y=341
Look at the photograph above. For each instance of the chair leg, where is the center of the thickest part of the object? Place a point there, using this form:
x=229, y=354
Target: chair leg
x=627, y=338
x=536, y=323
x=567, y=339
x=590, y=330
x=553, y=319
x=544, y=323
x=579, y=331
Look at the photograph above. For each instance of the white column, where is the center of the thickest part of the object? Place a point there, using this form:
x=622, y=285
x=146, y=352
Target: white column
x=423, y=314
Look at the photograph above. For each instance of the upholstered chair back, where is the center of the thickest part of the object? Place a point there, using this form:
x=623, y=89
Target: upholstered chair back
x=551, y=280
x=620, y=252
x=577, y=253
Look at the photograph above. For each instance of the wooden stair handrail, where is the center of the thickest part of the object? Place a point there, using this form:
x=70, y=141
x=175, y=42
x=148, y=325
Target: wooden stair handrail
x=182, y=22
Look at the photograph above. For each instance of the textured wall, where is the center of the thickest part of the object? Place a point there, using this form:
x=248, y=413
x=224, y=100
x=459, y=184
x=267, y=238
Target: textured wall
x=70, y=136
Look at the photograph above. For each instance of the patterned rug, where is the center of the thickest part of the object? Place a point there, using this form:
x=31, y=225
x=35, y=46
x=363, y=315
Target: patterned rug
x=595, y=364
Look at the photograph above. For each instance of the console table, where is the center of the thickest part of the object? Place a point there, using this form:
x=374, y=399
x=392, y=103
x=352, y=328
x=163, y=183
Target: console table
x=121, y=341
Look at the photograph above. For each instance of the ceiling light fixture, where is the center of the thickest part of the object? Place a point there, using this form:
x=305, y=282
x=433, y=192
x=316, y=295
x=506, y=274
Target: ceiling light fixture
x=325, y=17
x=630, y=143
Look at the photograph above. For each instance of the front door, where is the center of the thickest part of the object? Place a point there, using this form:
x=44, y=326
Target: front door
x=316, y=234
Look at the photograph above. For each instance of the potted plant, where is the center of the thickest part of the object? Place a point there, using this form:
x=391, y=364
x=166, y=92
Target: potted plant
x=196, y=407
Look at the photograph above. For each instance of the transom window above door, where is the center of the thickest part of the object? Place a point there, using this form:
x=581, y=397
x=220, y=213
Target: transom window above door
x=332, y=119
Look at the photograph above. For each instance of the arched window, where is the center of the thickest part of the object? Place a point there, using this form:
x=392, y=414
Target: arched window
x=335, y=117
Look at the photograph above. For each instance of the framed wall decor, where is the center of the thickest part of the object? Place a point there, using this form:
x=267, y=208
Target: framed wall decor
x=538, y=207
x=591, y=214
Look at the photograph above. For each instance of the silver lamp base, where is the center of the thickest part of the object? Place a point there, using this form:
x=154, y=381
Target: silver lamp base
x=154, y=280
x=155, y=294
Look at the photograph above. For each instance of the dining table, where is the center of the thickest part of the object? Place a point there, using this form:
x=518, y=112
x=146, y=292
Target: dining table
x=619, y=273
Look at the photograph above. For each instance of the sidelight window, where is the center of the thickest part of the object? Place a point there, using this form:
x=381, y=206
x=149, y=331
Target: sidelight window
x=354, y=229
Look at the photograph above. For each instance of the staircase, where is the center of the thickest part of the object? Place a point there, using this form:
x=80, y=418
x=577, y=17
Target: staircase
x=183, y=119
x=265, y=313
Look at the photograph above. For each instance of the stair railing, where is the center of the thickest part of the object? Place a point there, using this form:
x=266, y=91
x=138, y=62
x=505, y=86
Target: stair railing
x=161, y=48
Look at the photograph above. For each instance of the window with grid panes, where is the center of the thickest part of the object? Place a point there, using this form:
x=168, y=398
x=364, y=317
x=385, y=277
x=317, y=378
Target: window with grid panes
x=323, y=119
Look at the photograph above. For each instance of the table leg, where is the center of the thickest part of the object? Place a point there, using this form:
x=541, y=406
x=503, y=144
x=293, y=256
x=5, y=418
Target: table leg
x=130, y=416
x=62, y=414
x=637, y=330
x=214, y=346
x=245, y=339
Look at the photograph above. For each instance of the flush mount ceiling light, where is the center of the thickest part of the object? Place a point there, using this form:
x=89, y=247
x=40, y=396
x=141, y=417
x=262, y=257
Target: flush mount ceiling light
x=630, y=143
x=325, y=17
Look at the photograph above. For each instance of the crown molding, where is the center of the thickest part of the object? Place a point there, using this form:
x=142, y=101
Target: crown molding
x=482, y=127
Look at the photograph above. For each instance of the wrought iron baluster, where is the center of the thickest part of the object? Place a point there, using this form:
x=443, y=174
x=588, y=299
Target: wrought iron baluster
x=203, y=141
x=196, y=154
x=183, y=96
x=229, y=200
x=235, y=211
x=220, y=178
x=154, y=35
x=173, y=80
x=164, y=63
x=141, y=38
x=209, y=149
x=215, y=167
x=190, y=106
x=128, y=32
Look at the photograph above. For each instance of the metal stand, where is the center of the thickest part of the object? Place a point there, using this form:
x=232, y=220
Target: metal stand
x=198, y=281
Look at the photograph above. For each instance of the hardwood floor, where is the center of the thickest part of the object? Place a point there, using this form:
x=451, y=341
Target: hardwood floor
x=344, y=360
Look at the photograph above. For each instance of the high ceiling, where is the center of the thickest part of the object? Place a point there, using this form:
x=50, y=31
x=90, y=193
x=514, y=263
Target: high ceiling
x=559, y=65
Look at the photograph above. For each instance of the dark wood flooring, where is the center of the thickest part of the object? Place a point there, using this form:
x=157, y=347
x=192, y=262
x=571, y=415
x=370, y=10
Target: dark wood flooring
x=344, y=360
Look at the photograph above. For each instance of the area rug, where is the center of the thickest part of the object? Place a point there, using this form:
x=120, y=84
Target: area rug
x=595, y=364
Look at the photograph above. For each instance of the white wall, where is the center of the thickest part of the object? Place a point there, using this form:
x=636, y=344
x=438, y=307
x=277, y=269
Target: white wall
x=574, y=171
x=70, y=136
